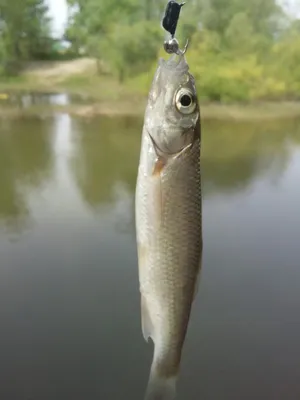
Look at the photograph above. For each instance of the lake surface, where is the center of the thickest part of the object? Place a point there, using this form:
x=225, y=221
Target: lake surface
x=69, y=300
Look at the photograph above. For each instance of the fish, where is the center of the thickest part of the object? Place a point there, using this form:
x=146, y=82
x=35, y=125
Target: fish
x=168, y=219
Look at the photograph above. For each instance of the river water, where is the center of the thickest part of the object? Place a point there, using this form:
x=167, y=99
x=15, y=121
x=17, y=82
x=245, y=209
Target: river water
x=69, y=300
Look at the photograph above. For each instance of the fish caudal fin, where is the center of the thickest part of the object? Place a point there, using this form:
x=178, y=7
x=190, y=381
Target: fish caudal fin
x=160, y=387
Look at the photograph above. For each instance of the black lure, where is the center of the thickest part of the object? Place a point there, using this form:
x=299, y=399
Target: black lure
x=171, y=17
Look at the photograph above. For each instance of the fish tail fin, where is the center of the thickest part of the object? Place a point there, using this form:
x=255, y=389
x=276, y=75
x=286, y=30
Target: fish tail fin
x=163, y=377
x=160, y=387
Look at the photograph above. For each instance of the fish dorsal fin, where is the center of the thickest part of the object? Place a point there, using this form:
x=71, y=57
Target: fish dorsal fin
x=197, y=281
x=196, y=287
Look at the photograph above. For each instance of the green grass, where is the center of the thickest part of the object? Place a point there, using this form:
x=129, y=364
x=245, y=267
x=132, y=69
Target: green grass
x=25, y=83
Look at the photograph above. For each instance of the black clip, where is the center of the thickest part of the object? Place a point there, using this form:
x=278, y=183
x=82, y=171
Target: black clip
x=171, y=17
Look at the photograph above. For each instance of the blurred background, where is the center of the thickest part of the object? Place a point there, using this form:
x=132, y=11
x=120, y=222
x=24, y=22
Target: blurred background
x=74, y=79
x=240, y=50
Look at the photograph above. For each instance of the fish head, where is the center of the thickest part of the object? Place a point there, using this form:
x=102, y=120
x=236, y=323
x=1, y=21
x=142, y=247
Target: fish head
x=173, y=109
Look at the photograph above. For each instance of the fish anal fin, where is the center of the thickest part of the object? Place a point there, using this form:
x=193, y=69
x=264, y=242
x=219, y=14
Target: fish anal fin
x=142, y=255
x=147, y=326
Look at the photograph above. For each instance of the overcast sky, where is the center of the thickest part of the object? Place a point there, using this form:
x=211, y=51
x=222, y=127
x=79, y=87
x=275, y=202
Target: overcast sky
x=59, y=13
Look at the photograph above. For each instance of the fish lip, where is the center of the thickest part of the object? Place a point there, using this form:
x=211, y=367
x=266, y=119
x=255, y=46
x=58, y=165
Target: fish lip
x=176, y=63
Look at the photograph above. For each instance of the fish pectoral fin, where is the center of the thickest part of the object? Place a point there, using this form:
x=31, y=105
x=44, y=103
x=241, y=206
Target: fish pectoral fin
x=158, y=167
x=147, y=326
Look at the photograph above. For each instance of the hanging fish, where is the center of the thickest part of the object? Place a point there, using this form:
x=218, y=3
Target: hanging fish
x=168, y=218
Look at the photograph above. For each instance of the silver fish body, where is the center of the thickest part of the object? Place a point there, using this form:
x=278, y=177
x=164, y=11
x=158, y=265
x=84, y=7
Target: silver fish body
x=168, y=219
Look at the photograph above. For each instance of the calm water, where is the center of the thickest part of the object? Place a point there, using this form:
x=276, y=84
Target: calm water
x=69, y=301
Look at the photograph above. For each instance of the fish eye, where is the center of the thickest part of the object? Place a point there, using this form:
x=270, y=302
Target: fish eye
x=185, y=101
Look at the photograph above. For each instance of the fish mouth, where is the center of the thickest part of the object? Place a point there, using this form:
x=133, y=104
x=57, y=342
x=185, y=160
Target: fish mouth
x=176, y=62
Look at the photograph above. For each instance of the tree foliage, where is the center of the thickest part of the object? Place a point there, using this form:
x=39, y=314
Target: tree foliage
x=240, y=50
x=24, y=31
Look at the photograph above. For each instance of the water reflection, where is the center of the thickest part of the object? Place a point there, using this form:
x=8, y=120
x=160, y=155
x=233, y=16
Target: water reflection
x=107, y=152
x=25, y=100
x=97, y=160
x=69, y=301
x=25, y=163
x=235, y=154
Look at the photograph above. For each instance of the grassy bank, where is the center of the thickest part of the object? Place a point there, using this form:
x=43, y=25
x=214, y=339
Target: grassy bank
x=105, y=95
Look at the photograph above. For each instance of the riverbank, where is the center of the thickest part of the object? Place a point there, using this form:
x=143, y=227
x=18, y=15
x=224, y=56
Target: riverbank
x=103, y=95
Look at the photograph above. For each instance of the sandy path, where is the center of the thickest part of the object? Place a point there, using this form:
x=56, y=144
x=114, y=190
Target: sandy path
x=57, y=71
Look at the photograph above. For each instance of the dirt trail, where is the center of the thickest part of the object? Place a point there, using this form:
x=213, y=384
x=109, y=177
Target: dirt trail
x=57, y=71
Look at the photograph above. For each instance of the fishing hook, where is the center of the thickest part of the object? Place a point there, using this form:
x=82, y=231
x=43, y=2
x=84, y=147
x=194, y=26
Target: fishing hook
x=169, y=23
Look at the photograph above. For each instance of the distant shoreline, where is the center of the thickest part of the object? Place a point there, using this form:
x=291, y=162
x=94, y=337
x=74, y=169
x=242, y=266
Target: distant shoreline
x=209, y=111
x=105, y=96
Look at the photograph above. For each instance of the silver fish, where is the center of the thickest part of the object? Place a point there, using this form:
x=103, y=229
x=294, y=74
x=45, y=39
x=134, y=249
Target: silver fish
x=168, y=219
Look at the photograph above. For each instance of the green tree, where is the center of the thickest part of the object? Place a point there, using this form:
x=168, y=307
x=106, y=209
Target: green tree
x=264, y=15
x=116, y=31
x=92, y=18
x=24, y=31
x=131, y=49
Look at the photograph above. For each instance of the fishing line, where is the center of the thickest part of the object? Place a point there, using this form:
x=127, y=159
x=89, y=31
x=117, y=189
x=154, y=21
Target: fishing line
x=171, y=17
